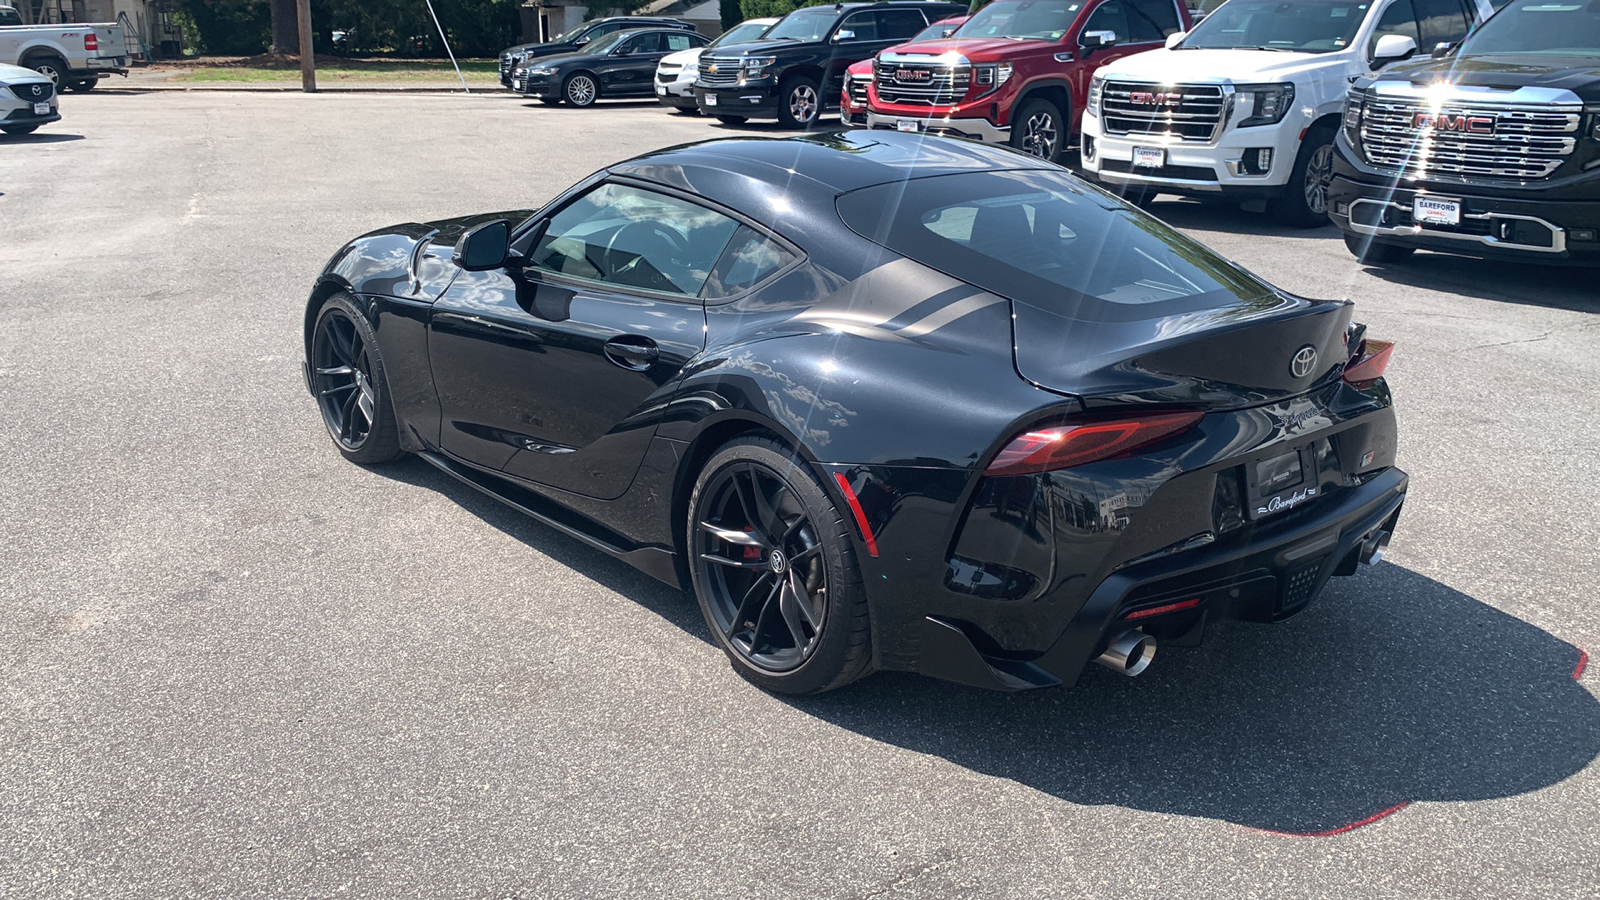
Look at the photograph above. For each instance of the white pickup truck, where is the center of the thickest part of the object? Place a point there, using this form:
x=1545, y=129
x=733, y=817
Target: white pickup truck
x=74, y=56
x=1247, y=104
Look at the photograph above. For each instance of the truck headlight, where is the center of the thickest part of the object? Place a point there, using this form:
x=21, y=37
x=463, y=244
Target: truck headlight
x=1355, y=106
x=690, y=72
x=756, y=66
x=989, y=77
x=1097, y=86
x=1269, y=102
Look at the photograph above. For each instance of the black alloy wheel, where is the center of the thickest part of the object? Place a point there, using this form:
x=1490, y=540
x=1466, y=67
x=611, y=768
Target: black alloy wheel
x=799, y=102
x=348, y=379
x=1305, y=200
x=1038, y=130
x=580, y=89
x=775, y=572
x=1368, y=251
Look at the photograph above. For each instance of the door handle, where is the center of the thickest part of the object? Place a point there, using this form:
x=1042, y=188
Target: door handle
x=632, y=352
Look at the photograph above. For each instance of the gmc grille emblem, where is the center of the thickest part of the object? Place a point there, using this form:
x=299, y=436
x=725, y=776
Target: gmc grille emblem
x=1152, y=98
x=1423, y=121
x=913, y=75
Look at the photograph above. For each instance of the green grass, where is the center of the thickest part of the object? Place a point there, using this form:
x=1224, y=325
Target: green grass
x=476, y=72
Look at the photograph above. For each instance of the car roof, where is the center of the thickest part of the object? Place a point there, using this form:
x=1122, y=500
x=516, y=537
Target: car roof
x=826, y=162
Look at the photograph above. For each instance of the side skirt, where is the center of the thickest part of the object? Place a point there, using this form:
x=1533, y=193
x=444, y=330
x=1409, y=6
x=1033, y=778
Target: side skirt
x=659, y=563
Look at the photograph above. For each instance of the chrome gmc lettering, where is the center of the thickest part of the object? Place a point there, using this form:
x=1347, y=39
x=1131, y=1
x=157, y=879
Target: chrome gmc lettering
x=1423, y=121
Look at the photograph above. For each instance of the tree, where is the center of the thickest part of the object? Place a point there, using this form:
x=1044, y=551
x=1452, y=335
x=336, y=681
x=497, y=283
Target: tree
x=285, y=27
x=731, y=14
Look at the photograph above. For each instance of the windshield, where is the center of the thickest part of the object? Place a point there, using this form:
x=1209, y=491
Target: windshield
x=1538, y=29
x=572, y=35
x=809, y=24
x=936, y=31
x=1044, y=20
x=606, y=42
x=1304, y=26
x=739, y=34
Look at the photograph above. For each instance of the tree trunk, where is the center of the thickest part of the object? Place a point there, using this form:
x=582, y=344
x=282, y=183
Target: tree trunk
x=285, y=27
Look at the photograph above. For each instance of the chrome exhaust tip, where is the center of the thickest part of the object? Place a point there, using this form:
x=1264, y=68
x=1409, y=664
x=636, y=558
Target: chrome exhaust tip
x=1129, y=653
x=1372, y=549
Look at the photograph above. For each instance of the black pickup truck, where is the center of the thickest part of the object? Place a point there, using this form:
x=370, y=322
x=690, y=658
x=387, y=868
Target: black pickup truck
x=1488, y=149
x=795, y=73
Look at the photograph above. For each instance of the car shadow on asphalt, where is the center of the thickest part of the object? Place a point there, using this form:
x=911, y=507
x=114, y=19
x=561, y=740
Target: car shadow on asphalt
x=1392, y=689
x=45, y=137
x=1558, y=287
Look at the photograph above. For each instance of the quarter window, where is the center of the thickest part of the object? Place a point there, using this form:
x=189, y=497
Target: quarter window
x=747, y=262
x=625, y=236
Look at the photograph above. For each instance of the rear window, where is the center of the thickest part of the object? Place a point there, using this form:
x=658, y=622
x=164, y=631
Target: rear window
x=1041, y=238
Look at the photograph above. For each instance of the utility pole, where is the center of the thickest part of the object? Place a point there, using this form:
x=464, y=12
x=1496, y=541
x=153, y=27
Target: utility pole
x=308, y=55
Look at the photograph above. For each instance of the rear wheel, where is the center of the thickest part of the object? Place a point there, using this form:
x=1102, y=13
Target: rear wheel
x=731, y=120
x=799, y=103
x=1365, y=250
x=1039, y=129
x=352, y=390
x=581, y=89
x=1305, y=201
x=775, y=571
x=82, y=85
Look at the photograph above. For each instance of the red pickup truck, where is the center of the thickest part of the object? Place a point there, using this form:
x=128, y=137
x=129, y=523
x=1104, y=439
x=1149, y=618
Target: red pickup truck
x=1017, y=72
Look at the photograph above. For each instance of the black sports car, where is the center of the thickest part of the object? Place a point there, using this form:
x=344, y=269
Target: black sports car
x=884, y=401
x=617, y=65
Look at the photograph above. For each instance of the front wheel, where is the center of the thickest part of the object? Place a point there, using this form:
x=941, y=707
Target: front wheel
x=53, y=69
x=581, y=89
x=799, y=103
x=1305, y=201
x=775, y=571
x=352, y=390
x=1368, y=251
x=19, y=129
x=1038, y=129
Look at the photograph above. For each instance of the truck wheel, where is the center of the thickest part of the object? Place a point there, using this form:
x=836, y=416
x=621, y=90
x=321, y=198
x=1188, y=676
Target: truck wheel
x=19, y=129
x=51, y=68
x=82, y=85
x=799, y=103
x=1368, y=251
x=1305, y=201
x=1039, y=129
x=731, y=120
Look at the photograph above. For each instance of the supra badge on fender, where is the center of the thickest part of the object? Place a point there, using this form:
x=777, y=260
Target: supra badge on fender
x=882, y=401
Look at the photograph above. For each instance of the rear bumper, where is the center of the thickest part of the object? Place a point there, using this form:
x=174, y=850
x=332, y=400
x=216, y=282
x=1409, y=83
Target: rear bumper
x=1274, y=576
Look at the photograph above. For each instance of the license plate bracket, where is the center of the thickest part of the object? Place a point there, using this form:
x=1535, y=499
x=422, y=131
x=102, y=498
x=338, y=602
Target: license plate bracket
x=911, y=125
x=1436, y=211
x=1149, y=157
x=41, y=109
x=711, y=99
x=1280, y=483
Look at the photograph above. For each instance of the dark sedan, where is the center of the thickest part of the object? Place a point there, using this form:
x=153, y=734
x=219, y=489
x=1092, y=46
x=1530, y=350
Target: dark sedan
x=883, y=401
x=617, y=65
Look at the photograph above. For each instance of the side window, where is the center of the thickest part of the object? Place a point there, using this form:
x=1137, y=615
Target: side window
x=645, y=43
x=864, y=24
x=676, y=42
x=1399, y=18
x=605, y=29
x=620, y=235
x=1109, y=16
x=749, y=259
x=898, y=24
x=1153, y=20
x=1440, y=21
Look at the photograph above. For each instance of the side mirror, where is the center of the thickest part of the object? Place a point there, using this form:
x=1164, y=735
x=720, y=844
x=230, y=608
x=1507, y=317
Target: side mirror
x=1392, y=47
x=1176, y=38
x=581, y=41
x=842, y=35
x=624, y=50
x=1097, y=40
x=1442, y=49
x=484, y=247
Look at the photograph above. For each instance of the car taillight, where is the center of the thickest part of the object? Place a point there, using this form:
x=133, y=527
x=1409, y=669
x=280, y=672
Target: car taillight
x=1065, y=446
x=91, y=42
x=1366, y=365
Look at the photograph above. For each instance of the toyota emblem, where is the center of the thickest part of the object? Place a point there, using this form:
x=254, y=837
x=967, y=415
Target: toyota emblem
x=1305, y=359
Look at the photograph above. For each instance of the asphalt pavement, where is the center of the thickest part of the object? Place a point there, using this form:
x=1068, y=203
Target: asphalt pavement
x=234, y=665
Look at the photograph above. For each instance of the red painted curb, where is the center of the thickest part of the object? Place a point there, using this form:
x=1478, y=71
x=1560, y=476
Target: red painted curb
x=1343, y=828
x=1583, y=663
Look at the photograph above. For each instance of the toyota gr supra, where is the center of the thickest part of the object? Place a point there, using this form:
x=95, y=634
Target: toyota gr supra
x=882, y=401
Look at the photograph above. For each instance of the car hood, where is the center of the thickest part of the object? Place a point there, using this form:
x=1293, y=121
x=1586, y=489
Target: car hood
x=974, y=49
x=1578, y=75
x=10, y=74
x=1218, y=66
x=683, y=57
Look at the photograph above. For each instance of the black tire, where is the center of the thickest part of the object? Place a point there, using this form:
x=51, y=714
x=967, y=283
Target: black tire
x=52, y=68
x=351, y=387
x=1365, y=250
x=1140, y=195
x=731, y=120
x=1039, y=129
x=19, y=129
x=1305, y=200
x=774, y=569
x=83, y=85
x=686, y=110
x=580, y=89
x=799, y=102
x=550, y=101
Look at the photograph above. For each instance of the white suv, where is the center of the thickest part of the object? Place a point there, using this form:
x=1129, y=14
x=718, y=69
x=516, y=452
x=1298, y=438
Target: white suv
x=27, y=100
x=677, y=72
x=1247, y=104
